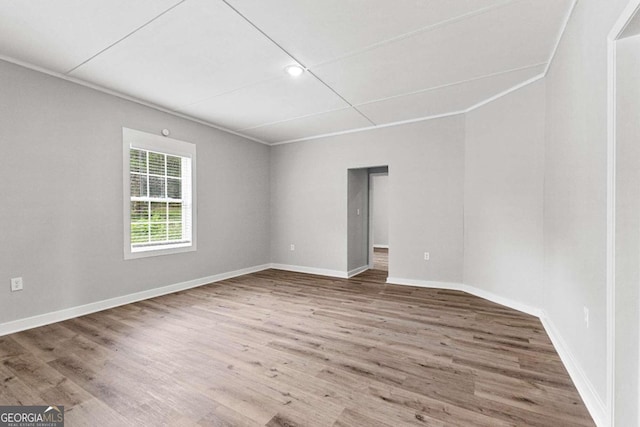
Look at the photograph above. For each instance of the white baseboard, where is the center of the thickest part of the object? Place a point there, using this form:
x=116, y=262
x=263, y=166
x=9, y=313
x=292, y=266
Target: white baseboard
x=357, y=271
x=592, y=400
x=469, y=289
x=425, y=283
x=69, y=313
x=596, y=406
x=381, y=246
x=310, y=270
x=507, y=302
x=320, y=271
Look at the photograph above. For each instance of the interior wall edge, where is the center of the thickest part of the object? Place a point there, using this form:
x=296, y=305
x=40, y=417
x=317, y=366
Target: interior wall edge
x=357, y=271
x=463, y=112
x=593, y=402
x=481, y=293
x=595, y=405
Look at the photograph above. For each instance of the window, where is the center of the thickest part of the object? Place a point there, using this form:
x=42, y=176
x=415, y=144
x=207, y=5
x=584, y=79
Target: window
x=159, y=202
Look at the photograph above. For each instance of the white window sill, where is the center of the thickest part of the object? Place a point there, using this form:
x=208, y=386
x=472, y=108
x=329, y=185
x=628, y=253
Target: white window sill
x=159, y=250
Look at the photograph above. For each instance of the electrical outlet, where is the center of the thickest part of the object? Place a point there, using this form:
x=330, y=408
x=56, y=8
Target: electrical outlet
x=426, y=256
x=586, y=316
x=16, y=284
x=292, y=247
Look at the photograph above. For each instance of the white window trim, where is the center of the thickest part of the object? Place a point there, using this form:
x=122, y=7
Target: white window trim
x=151, y=142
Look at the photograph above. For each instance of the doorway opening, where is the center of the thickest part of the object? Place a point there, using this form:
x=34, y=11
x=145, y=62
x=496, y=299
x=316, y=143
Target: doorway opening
x=379, y=219
x=367, y=220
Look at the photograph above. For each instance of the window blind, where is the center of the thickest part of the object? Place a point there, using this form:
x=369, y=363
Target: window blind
x=160, y=199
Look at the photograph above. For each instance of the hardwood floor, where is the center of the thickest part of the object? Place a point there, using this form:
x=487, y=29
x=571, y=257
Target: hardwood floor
x=381, y=259
x=286, y=349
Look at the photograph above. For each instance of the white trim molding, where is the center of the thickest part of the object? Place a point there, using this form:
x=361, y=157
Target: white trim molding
x=617, y=30
x=595, y=405
x=357, y=271
x=311, y=270
x=126, y=97
x=611, y=228
x=70, y=313
x=597, y=408
x=381, y=246
x=565, y=24
x=463, y=111
x=470, y=290
x=321, y=271
x=240, y=133
x=366, y=128
x=135, y=139
x=44, y=319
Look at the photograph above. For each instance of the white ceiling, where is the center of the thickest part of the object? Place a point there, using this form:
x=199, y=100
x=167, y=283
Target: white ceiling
x=370, y=62
x=632, y=28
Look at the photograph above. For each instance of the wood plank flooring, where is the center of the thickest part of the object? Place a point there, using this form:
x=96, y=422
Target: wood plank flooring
x=286, y=349
x=381, y=259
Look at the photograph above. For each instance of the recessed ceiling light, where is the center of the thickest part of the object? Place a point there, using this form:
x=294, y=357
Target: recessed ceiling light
x=294, y=70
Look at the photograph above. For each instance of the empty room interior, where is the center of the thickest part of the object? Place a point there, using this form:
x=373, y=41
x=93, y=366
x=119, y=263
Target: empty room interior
x=320, y=213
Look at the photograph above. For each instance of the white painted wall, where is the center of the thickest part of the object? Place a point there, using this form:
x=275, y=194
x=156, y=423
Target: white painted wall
x=61, y=215
x=575, y=196
x=426, y=161
x=503, y=196
x=60, y=140
x=628, y=231
x=380, y=209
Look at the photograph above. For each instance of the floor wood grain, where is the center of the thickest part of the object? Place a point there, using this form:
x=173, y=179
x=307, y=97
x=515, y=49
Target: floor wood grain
x=381, y=259
x=286, y=349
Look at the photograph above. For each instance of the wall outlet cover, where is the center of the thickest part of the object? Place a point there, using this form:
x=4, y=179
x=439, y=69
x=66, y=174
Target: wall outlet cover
x=16, y=284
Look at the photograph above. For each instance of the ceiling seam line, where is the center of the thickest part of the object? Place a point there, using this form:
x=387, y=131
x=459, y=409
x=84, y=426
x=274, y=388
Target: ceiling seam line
x=561, y=35
x=486, y=76
x=364, y=115
x=419, y=119
x=123, y=38
x=410, y=34
x=267, y=36
x=368, y=128
x=277, y=122
x=340, y=96
x=505, y=93
x=247, y=86
x=120, y=95
x=395, y=96
x=295, y=59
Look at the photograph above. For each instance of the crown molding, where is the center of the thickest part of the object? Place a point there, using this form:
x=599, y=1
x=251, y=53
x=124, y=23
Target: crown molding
x=120, y=95
x=319, y=136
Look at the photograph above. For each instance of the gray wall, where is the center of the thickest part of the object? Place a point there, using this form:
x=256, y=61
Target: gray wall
x=426, y=172
x=61, y=215
x=62, y=171
x=575, y=197
x=627, y=231
x=380, y=209
x=504, y=167
x=357, y=218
